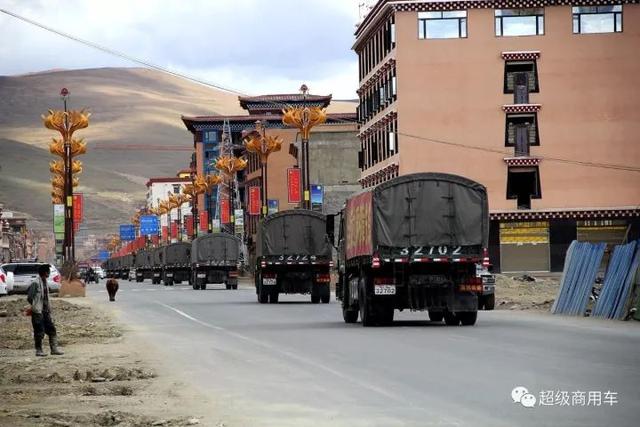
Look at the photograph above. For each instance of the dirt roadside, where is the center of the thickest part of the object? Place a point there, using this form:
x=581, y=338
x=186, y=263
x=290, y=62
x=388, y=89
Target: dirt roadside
x=105, y=377
x=526, y=292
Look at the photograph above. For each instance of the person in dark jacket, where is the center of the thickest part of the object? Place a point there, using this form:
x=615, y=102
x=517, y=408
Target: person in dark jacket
x=41, y=320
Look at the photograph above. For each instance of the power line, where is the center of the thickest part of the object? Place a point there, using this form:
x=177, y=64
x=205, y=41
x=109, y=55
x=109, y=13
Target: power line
x=119, y=54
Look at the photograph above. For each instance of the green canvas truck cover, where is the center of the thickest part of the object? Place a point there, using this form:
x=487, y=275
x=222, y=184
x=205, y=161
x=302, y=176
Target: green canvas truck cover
x=215, y=247
x=293, y=232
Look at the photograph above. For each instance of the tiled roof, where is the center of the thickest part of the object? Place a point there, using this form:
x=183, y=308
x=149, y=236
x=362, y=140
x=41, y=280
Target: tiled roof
x=250, y=119
x=166, y=180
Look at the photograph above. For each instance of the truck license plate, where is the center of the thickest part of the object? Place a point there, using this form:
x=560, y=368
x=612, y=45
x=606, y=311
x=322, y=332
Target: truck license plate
x=384, y=289
x=269, y=282
x=201, y=275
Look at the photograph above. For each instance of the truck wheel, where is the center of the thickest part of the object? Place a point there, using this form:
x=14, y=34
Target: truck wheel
x=490, y=302
x=263, y=296
x=385, y=316
x=227, y=286
x=436, y=316
x=349, y=315
x=195, y=286
x=468, y=318
x=273, y=298
x=315, y=299
x=451, y=319
x=326, y=298
x=168, y=282
x=235, y=286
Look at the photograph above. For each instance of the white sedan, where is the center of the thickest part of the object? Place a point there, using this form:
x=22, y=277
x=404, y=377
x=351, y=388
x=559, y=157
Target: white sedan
x=6, y=282
x=24, y=273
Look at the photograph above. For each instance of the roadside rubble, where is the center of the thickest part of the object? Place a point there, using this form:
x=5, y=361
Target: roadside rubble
x=100, y=381
x=525, y=292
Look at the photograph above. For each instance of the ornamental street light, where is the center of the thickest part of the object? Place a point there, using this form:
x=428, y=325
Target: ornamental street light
x=66, y=123
x=230, y=165
x=304, y=118
x=259, y=143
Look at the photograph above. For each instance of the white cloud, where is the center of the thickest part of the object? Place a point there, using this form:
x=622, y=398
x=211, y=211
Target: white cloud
x=257, y=46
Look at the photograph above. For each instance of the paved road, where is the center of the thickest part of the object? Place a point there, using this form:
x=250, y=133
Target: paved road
x=298, y=364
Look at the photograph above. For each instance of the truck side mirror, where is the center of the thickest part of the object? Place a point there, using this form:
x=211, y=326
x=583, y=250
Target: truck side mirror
x=330, y=227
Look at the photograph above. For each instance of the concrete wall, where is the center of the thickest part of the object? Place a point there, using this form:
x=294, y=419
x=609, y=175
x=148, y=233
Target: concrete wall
x=452, y=90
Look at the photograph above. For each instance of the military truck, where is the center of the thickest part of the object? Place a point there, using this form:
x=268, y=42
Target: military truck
x=293, y=256
x=215, y=259
x=157, y=265
x=177, y=263
x=127, y=262
x=413, y=243
x=143, y=265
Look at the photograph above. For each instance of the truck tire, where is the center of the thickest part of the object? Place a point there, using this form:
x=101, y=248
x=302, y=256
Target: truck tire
x=315, y=299
x=451, y=319
x=263, y=296
x=168, y=282
x=490, y=302
x=326, y=299
x=273, y=298
x=385, y=315
x=436, y=316
x=195, y=286
x=367, y=316
x=227, y=286
x=235, y=286
x=468, y=318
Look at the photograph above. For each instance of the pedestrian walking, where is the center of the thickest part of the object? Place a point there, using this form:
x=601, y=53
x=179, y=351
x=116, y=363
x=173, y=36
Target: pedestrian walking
x=41, y=320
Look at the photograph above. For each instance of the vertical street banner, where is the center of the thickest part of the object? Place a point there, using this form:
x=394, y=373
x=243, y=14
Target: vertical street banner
x=255, y=202
x=215, y=225
x=174, y=229
x=78, y=208
x=188, y=222
x=203, y=221
x=224, y=211
x=293, y=185
x=238, y=215
x=165, y=233
x=317, y=197
x=58, y=219
x=273, y=206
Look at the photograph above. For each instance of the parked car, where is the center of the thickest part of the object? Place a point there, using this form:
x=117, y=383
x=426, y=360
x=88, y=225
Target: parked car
x=24, y=273
x=100, y=271
x=4, y=282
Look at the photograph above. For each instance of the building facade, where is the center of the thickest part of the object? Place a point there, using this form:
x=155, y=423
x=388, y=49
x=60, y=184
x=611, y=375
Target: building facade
x=333, y=150
x=530, y=98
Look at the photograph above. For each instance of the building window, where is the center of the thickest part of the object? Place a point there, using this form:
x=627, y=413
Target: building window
x=597, y=19
x=442, y=25
x=176, y=188
x=210, y=136
x=521, y=78
x=521, y=133
x=523, y=184
x=519, y=22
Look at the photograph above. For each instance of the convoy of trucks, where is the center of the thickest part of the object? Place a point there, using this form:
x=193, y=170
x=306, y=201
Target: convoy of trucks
x=417, y=242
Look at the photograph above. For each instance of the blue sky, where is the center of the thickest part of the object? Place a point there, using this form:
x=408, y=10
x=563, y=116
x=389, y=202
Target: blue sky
x=256, y=46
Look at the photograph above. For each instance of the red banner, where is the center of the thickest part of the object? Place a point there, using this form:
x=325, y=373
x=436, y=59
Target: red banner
x=255, y=202
x=174, y=229
x=165, y=233
x=293, y=185
x=155, y=240
x=204, y=221
x=188, y=223
x=224, y=211
x=359, y=225
x=78, y=207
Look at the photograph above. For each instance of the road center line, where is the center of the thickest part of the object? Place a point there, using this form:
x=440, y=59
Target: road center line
x=291, y=355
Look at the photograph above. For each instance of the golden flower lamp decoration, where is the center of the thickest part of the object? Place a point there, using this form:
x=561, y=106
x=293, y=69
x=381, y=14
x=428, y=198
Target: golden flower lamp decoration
x=263, y=145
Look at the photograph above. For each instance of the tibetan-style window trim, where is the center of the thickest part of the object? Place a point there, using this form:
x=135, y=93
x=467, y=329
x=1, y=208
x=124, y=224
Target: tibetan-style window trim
x=380, y=72
x=391, y=115
x=531, y=55
x=385, y=174
x=567, y=214
x=521, y=108
x=522, y=161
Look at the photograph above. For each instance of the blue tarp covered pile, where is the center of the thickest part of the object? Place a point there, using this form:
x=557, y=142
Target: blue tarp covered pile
x=580, y=269
x=618, y=281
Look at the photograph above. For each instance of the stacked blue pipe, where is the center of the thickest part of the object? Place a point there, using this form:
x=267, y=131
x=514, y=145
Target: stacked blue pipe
x=623, y=267
x=578, y=277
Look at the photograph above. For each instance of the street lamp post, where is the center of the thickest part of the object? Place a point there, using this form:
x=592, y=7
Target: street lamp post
x=304, y=118
x=259, y=143
x=230, y=165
